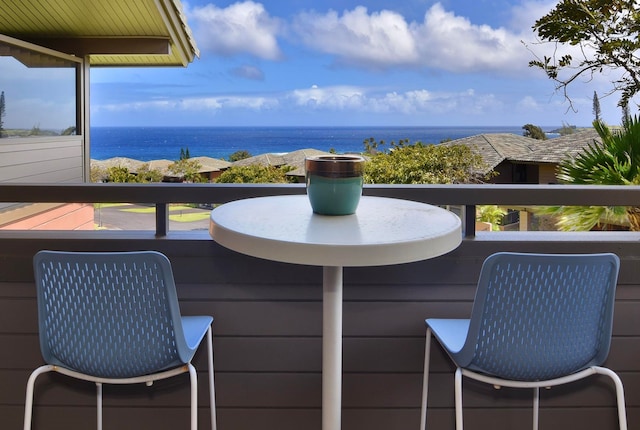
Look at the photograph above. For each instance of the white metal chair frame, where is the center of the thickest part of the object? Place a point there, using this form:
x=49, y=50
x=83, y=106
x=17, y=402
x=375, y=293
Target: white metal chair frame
x=458, y=333
x=147, y=379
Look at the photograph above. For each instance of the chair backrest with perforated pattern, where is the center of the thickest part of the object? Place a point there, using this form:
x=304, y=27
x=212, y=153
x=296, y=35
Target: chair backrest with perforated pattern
x=112, y=315
x=541, y=316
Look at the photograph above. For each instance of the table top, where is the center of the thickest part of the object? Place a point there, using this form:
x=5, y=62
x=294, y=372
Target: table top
x=383, y=231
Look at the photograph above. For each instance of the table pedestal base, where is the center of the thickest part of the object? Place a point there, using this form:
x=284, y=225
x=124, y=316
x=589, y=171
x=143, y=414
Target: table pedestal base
x=331, y=348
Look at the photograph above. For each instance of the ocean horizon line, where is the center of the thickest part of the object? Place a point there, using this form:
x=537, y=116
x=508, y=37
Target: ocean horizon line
x=146, y=143
x=483, y=126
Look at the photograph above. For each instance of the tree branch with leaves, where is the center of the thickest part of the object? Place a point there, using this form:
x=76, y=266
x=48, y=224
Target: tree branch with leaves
x=607, y=33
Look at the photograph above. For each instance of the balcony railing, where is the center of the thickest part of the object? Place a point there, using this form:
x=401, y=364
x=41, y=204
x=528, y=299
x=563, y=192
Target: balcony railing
x=466, y=196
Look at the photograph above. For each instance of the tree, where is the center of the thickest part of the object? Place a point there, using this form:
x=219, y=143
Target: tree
x=625, y=114
x=597, y=113
x=534, y=132
x=184, y=153
x=2, y=112
x=69, y=131
x=613, y=161
x=566, y=129
x=239, y=155
x=120, y=174
x=424, y=164
x=188, y=170
x=607, y=33
x=492, y=214
x=146, y=174
x=255, y=174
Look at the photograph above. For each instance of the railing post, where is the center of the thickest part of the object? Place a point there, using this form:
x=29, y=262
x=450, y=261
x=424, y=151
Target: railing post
x=162, y=219
x=469, y=227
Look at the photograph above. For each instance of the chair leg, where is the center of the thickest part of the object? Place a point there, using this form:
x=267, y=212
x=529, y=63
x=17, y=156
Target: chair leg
x=622, y=414
x=212, y=390
x=193, y=377
x=458, y=395
x=536, y=407
x=28, y=403
x=99, y=404
x=425, y=380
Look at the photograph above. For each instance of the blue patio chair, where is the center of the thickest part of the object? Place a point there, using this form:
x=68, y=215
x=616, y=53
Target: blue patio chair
x=113, y=318
x=538, y=320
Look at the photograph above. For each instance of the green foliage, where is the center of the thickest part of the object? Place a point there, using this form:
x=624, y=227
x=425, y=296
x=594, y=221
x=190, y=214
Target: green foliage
x=254, y=174
x=187, y=169
x=625, y=115
x=597, y=112
x=35, y=131
x=120, y=174
x=146, y=174
x=566, y=129
x=239, y=155
x=608, y=31
x=69, y=131
x=614, y=161
x=492, y=214
x=184, y=154
x=123, y=175
x=584, y=218
x=97, y=174
x=534, y=132
x=423, y=164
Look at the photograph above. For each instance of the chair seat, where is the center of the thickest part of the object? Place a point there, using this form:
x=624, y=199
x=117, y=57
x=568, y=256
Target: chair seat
x=451, y=333
x=195, y=328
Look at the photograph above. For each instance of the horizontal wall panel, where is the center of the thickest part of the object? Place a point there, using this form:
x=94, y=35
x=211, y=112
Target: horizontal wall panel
x=267, y=341
x=310, y=419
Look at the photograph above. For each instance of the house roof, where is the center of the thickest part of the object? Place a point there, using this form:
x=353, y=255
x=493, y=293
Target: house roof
x=209, y=164
x=112, y=32
x=498, y=147
x=294, y=159
x=560, y=148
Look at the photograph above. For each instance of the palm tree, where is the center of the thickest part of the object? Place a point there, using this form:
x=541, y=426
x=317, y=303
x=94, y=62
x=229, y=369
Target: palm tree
x=613, y=161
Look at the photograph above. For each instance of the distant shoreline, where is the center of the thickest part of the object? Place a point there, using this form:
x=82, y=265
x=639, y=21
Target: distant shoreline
x=155, y=143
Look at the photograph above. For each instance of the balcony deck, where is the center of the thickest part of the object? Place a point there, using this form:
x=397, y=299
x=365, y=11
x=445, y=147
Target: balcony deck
x=267, y=336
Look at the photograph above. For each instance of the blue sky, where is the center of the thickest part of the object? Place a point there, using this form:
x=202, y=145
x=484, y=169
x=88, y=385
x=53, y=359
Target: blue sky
x=352, y=63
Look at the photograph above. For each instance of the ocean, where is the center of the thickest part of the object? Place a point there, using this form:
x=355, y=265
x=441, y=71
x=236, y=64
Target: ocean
x=155, y=143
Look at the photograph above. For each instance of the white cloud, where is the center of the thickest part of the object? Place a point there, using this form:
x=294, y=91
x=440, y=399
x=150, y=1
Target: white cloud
x=422, y=101
x=194, y=104
x=528, y=103
x=378, y=39
x=348, y=99
x=524, y=15
x=338, y=97
x=385, y=39
x=243, y=27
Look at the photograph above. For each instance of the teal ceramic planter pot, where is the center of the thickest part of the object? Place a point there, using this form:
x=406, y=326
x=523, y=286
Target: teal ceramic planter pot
x=334, y=183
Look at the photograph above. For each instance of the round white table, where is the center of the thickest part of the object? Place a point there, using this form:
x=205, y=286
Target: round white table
x=383, y=231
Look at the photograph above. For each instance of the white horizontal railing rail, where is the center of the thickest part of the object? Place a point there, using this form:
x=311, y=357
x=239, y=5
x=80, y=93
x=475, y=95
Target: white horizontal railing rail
x=467, y=196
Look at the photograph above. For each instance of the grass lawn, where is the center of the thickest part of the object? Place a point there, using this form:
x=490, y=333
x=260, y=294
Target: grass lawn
x=152, y=209
x=190, y=217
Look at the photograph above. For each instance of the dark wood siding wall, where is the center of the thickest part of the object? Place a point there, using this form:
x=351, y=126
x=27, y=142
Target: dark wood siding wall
x=267, y=343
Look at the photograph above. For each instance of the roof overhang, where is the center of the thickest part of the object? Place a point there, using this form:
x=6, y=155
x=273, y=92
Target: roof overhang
x=112, y=32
